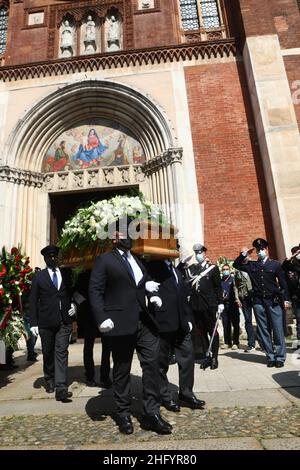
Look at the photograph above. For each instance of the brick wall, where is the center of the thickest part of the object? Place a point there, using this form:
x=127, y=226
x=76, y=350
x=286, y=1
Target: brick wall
x=159, y=28
x=292, y=65
x=228, y=164
x=286, y=16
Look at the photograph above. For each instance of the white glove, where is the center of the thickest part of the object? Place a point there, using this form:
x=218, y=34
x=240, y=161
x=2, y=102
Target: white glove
x=156, y=300
x=106, y=326
x=35, y=330
x=152, y=286
x=190, y=326
x=72, y=310
x=186, y=259
x=220, y=308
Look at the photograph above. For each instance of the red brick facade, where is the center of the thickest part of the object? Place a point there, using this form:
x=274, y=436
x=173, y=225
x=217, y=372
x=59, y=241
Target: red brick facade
x=292, y=65
x=228, y=164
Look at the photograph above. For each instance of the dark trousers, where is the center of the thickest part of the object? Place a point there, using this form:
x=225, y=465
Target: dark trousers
x=205, y=321
x=146, y=344
x=55, y=343
x=90, y=334
x=231, y=319
x=247, y=311
x=182, y=345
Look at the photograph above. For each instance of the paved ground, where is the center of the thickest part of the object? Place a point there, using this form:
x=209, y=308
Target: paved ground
x=249, y=406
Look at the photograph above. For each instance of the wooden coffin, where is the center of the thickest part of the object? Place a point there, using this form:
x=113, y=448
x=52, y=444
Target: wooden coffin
x=155, y=242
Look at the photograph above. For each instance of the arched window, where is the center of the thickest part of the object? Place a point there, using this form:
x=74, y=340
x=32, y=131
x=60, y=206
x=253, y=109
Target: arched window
x=196, y=14
x=3, y=28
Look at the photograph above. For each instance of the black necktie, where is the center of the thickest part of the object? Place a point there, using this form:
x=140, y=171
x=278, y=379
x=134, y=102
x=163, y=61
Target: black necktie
x=129, y=267
x=173, y=277
x=54, y=279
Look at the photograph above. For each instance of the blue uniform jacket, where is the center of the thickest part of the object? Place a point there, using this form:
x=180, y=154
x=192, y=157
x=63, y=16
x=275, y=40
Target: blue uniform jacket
x=268, y=280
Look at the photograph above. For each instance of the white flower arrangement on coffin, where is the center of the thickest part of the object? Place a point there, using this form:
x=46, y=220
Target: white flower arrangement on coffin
x=90, y=226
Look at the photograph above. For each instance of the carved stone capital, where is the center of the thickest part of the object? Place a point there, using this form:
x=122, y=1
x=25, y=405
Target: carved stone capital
x=167, y=158
x=16, y=176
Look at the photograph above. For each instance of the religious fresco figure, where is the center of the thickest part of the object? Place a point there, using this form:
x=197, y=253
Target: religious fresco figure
x=90, y=150
x=60, y=161
x=120, y=157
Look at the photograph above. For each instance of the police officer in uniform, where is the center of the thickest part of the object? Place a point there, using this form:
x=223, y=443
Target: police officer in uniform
x=269, y=291
x=205, y=296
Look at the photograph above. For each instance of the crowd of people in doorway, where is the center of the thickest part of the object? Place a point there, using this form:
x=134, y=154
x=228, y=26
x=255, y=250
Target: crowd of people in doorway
x=156, y=309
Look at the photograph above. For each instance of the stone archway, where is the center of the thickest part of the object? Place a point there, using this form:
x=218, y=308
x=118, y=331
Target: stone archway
x=65, y=108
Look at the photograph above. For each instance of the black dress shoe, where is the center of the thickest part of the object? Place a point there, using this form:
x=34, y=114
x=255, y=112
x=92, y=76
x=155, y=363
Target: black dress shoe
x=105, y=383
x=270, y=363
x=171, y=406
x=91, y=383
x=63, y=396
x=191, y=402
x=156, y=423
x=50, y=387
x=31, y=358
x=214, y=363
x=125, y=425
x=279, y=364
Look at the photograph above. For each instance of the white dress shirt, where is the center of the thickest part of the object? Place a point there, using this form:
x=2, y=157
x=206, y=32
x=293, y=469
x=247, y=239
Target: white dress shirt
x=135, y=267
x=59, y=277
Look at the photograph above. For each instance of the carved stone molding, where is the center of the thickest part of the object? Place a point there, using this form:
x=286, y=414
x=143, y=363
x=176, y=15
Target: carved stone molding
x=93, y=178
x=27, y=178
x=208, y=49
x=169, y=157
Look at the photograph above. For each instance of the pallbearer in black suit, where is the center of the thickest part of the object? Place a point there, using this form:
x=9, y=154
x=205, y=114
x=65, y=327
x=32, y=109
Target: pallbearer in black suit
x=174, y=320
x=51, y=315
x=206, y=297
x=269, y=292
x=117, y=296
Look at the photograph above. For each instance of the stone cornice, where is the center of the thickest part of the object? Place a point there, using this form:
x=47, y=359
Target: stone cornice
x=16, y=176
x=170, y=156
x=201, y=50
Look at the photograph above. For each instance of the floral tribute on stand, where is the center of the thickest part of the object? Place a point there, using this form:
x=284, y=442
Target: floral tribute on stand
x=15, y=282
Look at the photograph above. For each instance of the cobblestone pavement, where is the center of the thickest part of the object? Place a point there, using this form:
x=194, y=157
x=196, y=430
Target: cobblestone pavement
x=249, y=406
x=81, y=431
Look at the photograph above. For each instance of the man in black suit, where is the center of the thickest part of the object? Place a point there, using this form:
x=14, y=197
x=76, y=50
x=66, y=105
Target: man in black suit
x=90, y=334
x=51, y=315
x=205, y=297
x=117, y=297
x=175, y=324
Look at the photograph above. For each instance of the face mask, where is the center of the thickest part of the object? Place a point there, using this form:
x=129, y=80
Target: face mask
x=298, y=257
x=124, y=243
x=226, y=273
x=262, y=254
x=51, y=262
x=199, y=257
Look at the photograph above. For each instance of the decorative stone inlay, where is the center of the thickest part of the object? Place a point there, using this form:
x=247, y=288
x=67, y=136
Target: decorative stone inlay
x=208, y=49
x=167, y=158
x=16, y=176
